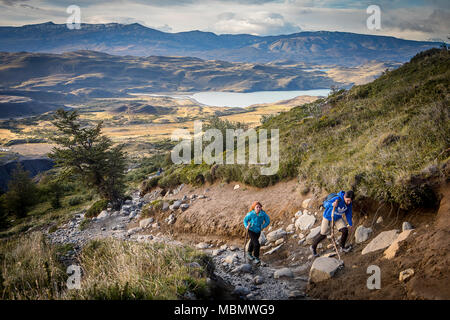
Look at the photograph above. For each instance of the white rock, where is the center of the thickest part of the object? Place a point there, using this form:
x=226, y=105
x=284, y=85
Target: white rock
x=231, y=258
x=290, y=228
x=379, y=220
x=283, y=273
x=314, y=232
x=176, y=205
x=305, y=221
x=224, y=247
x=301, y=241
x=102, y=214
x=406, y=274
x=382, y=241
x=144, y=223
x=243, y=268
x=275, y=235
x=362, y=234
x=406, y=226
x=258, y=280
x=306, y=203
x=184, y=206
x=323, y=268
x=236, y=187
x=279, y=241
x=233, y=248
x=202, y=245
x=217, y=252
x=273, y=249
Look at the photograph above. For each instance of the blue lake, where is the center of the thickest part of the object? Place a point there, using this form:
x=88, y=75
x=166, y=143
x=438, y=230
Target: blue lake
x=236, y=99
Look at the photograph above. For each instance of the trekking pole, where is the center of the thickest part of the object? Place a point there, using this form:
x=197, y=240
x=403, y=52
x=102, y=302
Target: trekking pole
x=332, y=234
x=245, y=243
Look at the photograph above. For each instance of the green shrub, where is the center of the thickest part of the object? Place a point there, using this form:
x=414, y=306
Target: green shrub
x=75, y=200
x=96, y=208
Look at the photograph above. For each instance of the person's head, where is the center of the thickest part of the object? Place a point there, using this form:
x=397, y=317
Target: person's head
x=257, y=206
x=348, y=197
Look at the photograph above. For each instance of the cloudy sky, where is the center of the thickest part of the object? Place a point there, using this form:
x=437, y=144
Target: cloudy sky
x=408, y=19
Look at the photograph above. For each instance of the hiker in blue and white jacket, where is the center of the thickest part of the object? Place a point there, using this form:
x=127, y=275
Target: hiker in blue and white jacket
x=342, y=202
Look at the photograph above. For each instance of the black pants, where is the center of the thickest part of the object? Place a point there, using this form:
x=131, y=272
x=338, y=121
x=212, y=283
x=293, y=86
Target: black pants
x=320, y=237
x=254, y=243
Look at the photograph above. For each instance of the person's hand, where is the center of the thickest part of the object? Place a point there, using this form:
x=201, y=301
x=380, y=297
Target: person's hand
x=335, y=204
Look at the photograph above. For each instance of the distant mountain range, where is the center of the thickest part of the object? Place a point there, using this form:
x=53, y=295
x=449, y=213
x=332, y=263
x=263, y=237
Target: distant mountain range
x=321, y=47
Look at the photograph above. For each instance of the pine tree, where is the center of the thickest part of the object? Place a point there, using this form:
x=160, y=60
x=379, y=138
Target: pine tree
x=88, y=154
x=22, y=192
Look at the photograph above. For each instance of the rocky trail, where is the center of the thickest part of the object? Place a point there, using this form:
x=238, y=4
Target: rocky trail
x=288, y=270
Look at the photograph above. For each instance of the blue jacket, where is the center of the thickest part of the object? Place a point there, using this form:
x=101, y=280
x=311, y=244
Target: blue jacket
x=340, y=209
x=257, y=222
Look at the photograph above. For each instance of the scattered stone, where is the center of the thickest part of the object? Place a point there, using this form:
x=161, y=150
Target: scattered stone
x=144, y=223
x=295, y=294
x=382, y=241
x=379, y=220
x=405, y=275
x=217, y=252
x=390, y=252
x=133, y=230
x=224, y=247
x=301, y=241
x=320, y=246
x=362, y=234
x=230, y=259
x=258, y=280
x=301, y=235
x=233, y=248
x=314, y=232
x=103, y=229
x=243, y=268
x=298, y=214
x=406, y=226
x=290, y=228
x=262, y=238
x=165, y=206
x=305, y=222
x=306, y=203
x=283, y=273
x=275, y=235
x=155, y=225
x=279, y=241
x=273, y=249
x=323, y=268
x=236, y=187
x=202, y=245
x=241, y=291
x=184, y=206
x=102, y=214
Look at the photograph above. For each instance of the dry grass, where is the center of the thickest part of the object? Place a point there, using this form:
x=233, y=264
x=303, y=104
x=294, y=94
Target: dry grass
x=115, y=269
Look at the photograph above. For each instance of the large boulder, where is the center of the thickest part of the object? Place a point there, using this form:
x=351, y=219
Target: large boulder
x=390, y=252
x=275, y=235
x=362, y=234
x=305, y=221
x=382, y=241
x=324, y=268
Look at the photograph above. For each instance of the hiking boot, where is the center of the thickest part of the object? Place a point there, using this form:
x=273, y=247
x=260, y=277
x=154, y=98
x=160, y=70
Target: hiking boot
x=256, y=261
x=250, y=256
x=313, y=251
x=345, y=249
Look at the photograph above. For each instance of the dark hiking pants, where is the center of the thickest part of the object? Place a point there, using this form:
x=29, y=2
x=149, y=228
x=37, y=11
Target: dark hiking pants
x=254, y=243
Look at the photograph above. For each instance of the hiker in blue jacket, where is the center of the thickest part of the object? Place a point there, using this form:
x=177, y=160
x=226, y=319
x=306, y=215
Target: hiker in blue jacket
x=342, y=202
x=255, y=221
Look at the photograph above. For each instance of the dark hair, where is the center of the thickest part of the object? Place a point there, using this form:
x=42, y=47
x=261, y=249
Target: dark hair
x=350, y=194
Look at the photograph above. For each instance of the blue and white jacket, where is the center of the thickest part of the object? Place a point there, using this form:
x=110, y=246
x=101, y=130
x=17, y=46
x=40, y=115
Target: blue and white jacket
x=341, y=209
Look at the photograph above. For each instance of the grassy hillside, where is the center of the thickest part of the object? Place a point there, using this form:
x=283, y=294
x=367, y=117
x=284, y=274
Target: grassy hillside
x=385, y=139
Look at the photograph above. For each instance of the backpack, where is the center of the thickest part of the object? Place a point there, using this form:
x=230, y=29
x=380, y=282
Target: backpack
x=328, y=198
